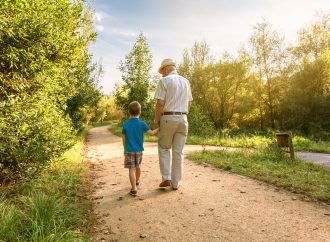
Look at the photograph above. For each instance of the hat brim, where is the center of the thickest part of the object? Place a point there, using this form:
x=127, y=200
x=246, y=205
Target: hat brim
x=164, y=65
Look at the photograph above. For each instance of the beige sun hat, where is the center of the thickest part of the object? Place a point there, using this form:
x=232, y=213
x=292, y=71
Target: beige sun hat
x=166, y=62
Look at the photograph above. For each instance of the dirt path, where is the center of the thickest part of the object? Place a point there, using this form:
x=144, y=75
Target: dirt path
x=211, y=205
x=318, y=158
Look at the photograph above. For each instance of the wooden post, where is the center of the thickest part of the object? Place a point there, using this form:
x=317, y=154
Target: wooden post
x=285, y=140
x=291, y=147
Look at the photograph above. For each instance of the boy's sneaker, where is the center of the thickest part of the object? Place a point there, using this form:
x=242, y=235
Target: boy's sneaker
x=138, y=183
x=133, y=192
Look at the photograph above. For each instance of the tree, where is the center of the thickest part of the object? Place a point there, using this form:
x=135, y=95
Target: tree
x=43, y=59
x=81, y=107
x=268, y=55
x=196, y=59
x=313, y=39
x=305, y=105
x=219, y=88
x=137, y=86
x=113, y=112
x=224, y=81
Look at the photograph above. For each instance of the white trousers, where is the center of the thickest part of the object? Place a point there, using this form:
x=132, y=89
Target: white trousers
x=172, y=135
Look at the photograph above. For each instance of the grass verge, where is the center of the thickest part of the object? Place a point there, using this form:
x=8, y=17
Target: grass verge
x=274, y=168
x=99, y=124
x=49, y=207
x=243, y=141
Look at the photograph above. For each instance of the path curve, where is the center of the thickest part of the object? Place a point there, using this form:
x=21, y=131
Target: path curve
x=211, y=205
x=318, y=158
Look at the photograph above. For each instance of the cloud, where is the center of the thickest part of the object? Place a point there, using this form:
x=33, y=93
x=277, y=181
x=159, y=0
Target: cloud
x=123, y=32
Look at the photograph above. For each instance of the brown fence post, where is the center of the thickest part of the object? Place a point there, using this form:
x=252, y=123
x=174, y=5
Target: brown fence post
x=291, y=147
x=285, y=140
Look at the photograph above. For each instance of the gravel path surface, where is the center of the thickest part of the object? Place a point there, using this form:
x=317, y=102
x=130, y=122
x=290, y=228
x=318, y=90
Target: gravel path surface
x=211, y=204
x=318, y=158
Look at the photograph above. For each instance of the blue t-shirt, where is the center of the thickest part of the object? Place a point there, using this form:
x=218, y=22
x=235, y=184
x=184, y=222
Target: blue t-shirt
x=134, y=129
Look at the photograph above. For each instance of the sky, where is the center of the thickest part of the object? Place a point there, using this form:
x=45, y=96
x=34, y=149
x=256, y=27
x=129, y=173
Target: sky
x=174, y=25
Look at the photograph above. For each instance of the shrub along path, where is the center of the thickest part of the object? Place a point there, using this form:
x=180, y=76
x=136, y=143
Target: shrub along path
x=211, y=205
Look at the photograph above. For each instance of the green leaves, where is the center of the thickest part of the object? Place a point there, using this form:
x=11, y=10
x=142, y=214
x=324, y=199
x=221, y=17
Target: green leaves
x=32, y=132
x=136, y=76
x=269, y=85
x=44, y=63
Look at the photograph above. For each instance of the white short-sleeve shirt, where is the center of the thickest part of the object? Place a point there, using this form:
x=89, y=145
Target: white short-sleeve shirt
x=175, y=91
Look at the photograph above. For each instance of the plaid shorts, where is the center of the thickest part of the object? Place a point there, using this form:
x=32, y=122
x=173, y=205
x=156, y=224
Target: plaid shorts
x=133, y=159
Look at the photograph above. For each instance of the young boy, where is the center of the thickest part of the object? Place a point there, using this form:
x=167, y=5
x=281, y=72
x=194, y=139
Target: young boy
x=133, y=130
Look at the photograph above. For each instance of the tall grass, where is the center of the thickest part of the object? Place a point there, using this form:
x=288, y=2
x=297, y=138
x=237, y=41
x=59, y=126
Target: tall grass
x=47, y=208
x=244, y=141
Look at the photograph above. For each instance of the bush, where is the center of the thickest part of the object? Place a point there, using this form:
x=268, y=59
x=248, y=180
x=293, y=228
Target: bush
x=301, y=142
x=32, y=132
x=44, y=63
x=199, y=124
x=51, y=206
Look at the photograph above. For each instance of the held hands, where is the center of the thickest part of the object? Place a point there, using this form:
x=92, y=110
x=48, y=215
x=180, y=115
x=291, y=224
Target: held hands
x=153, y=132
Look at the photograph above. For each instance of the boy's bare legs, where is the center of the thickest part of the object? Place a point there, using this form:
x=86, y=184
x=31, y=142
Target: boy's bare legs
x=137, y=174
x=132, y=177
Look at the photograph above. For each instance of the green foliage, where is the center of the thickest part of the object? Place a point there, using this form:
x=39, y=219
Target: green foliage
x=270, y=85
x=11, y=222
x=44, y=75
x=314, y=39
x=136, y=77
x=243, y=141
x=41, y=46
x=268, y=59
x=47, y=208
x=275, y=168
x=224, y=89
x=199, y=124
x=302, y=143
x=102, y=109
x=84, y=105
x=307, y=100
x=239, y=141
x=32, y=133
x=113, y=111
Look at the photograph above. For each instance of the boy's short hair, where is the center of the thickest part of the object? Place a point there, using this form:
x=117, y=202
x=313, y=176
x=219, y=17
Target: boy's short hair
x=134, y=108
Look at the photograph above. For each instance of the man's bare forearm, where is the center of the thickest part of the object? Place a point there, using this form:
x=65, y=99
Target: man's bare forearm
x=158, y=112
x=189, y=105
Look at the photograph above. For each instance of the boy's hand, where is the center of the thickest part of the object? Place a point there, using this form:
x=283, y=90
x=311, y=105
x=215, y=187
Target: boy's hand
x=153, y=132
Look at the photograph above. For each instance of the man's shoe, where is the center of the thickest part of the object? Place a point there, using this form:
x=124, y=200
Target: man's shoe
x=138, y=183
x=175, y=188
x=166, y=183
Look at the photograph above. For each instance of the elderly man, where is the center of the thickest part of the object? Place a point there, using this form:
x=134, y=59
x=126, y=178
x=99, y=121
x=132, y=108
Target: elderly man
x=174, y=99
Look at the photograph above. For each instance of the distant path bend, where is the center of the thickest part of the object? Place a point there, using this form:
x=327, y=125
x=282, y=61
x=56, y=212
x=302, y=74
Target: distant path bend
x=317, y=158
